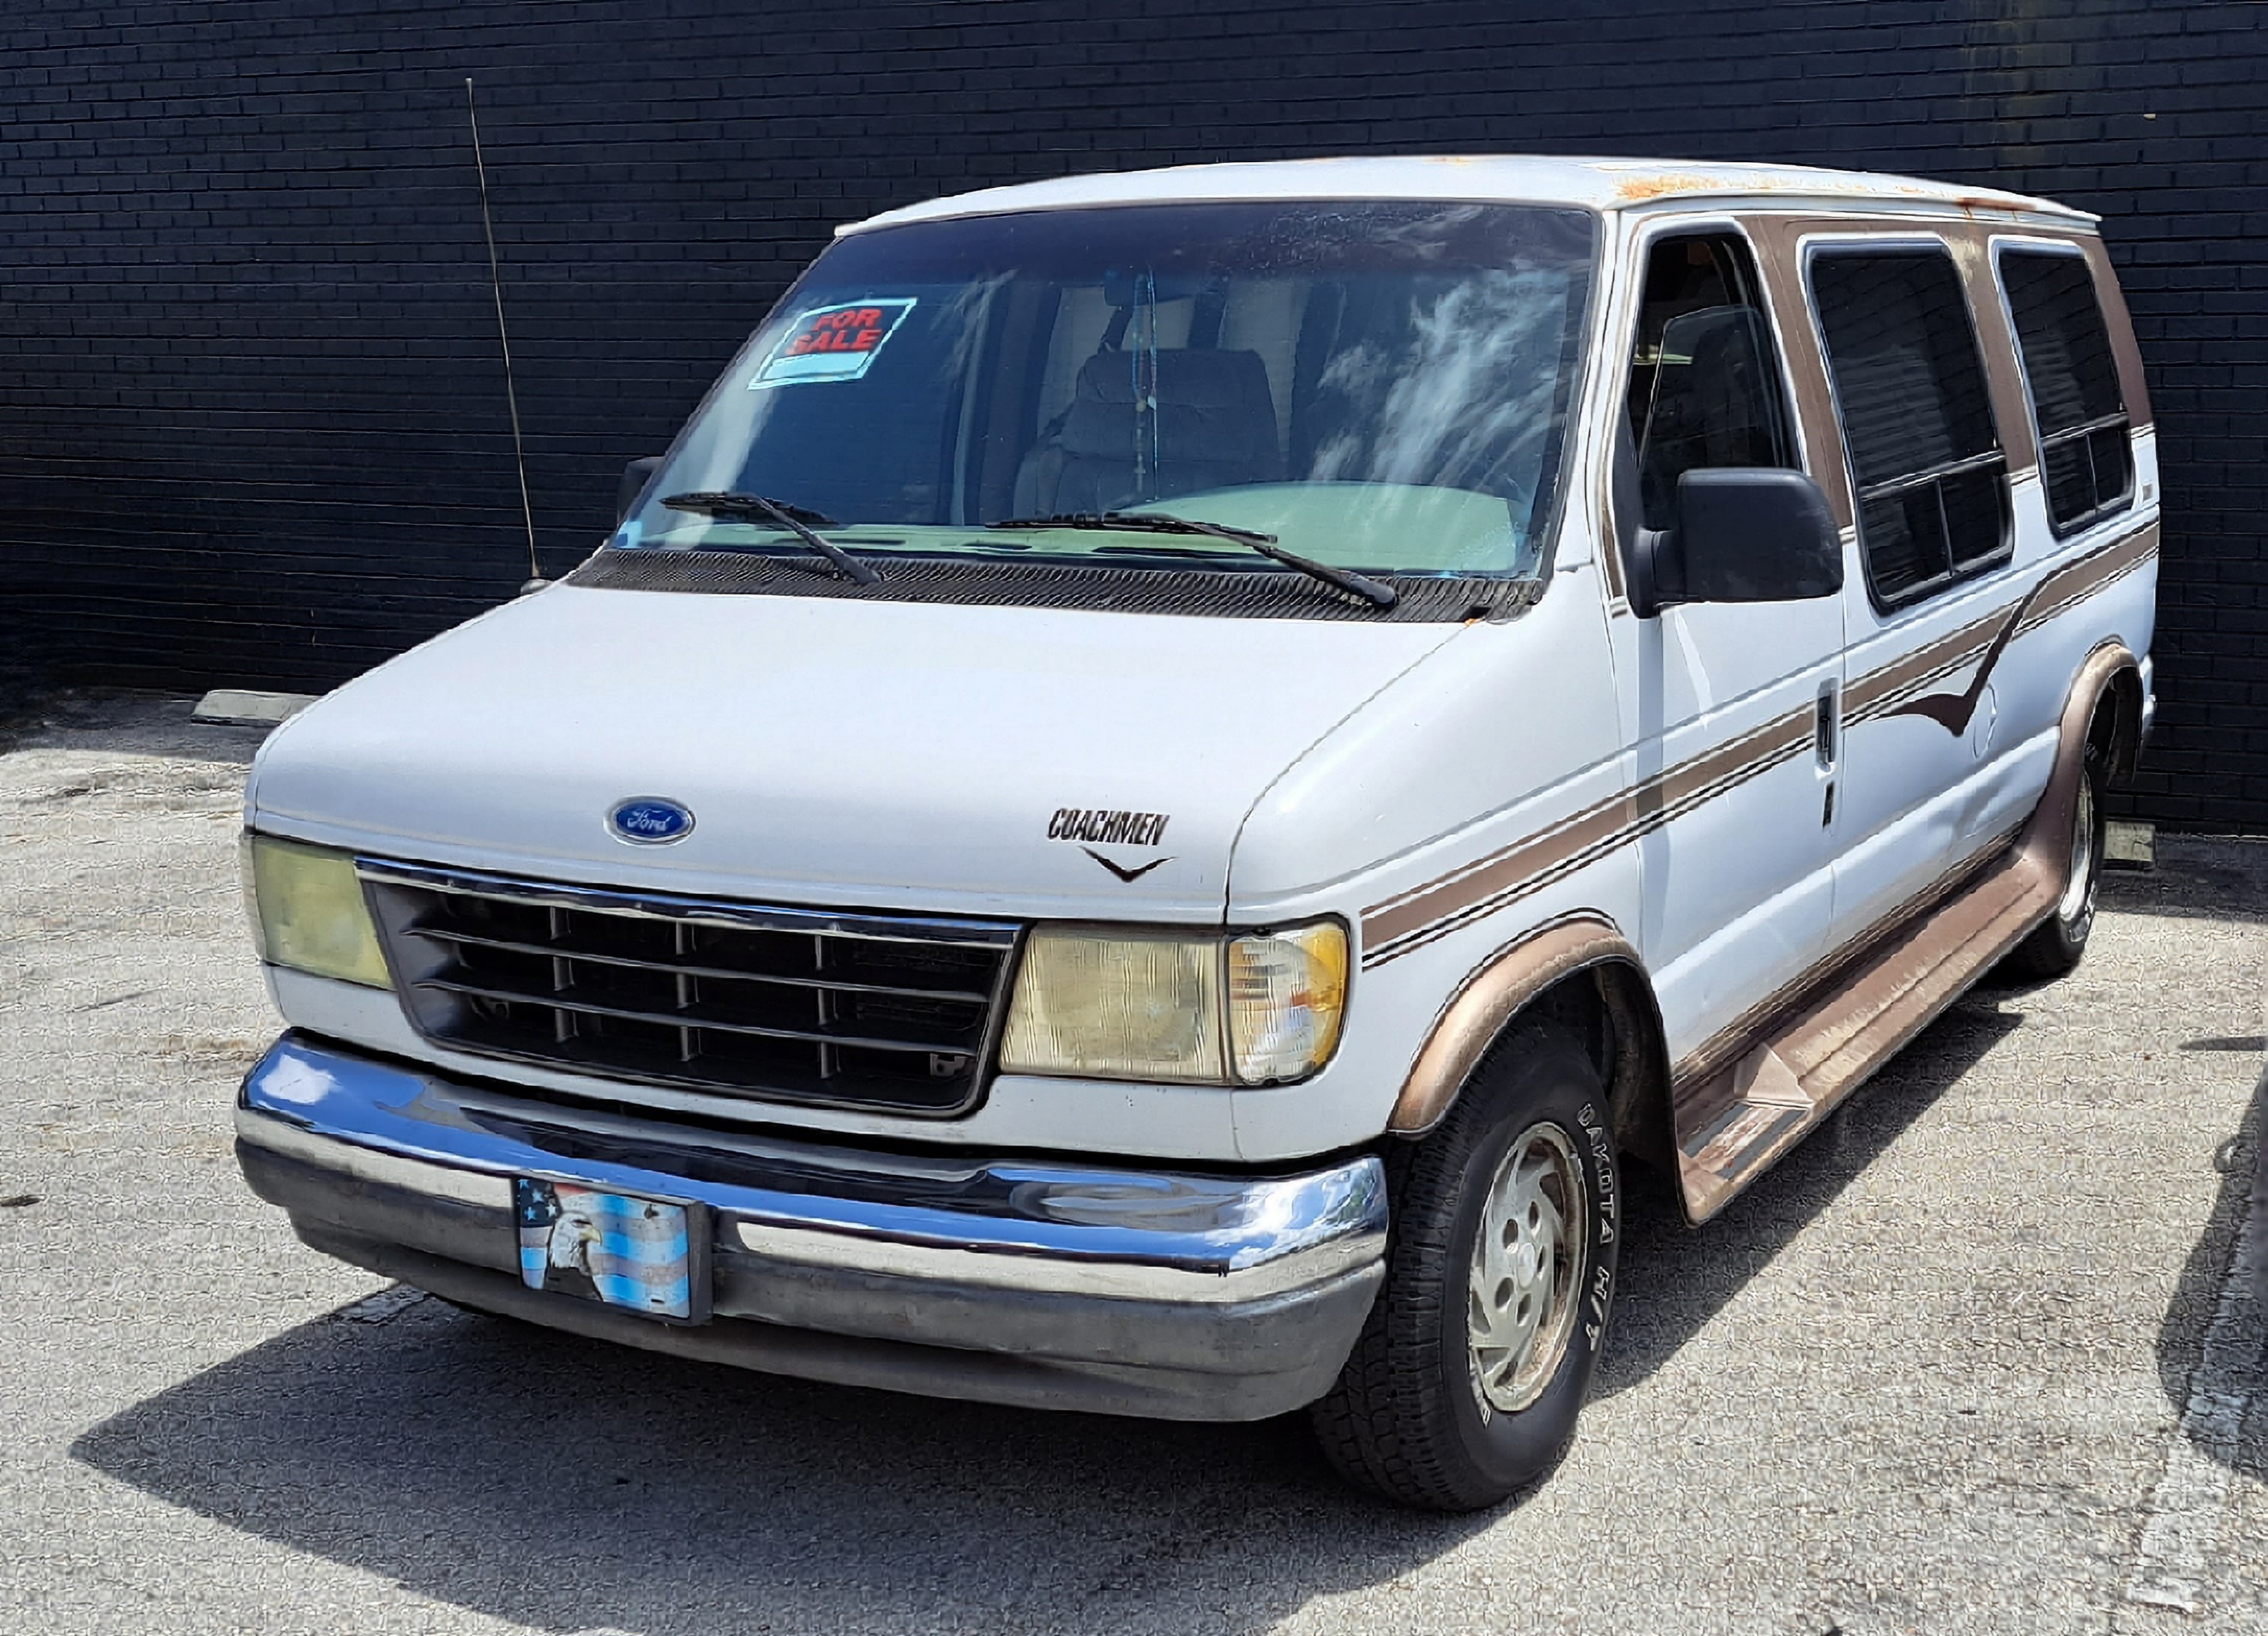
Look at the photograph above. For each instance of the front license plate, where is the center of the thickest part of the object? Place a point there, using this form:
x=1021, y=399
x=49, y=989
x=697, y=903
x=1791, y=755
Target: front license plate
x=627, y=1251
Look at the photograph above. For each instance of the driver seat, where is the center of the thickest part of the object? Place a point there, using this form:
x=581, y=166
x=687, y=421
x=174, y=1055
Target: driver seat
x=1215, y=427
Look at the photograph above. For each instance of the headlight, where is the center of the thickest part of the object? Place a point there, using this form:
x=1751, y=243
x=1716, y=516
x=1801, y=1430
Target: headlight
x=1207, y=1010
x=308, y=912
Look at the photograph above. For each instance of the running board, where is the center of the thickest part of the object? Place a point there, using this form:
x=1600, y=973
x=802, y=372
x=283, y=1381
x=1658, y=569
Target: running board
x=1746, y=1097
x=1733, y=1123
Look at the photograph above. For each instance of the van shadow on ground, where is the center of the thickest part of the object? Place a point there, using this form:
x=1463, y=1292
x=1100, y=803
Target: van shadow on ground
x=570, y=1487
x=2209, y=877
x=2220, y=1305
x=1673, y=1278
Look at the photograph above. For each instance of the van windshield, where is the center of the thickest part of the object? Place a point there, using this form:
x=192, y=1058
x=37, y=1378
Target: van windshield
x=1379, y=385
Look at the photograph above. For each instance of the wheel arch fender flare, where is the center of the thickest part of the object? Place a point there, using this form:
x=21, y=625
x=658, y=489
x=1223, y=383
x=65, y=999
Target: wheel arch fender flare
x=2109, y=674
x=1579, y=970
x=2122, y=687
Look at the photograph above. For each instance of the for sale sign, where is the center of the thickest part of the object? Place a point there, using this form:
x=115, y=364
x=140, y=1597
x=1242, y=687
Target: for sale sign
x=838, y=342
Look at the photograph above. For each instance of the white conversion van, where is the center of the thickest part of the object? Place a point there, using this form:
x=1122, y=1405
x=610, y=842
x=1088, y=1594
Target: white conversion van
x=1176, y=769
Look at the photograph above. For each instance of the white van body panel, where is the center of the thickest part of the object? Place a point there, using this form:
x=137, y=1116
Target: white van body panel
x=1739, y=877
x=1375, y=823
x=1739, y=886
x=1483, y=739
x=833, y=753
x=1908, y=782
x=1924, y=801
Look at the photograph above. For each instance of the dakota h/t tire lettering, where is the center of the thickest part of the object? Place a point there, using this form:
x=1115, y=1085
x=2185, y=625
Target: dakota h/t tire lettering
x=1439, y=1405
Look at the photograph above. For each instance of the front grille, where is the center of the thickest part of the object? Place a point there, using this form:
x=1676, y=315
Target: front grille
x=764, y=1003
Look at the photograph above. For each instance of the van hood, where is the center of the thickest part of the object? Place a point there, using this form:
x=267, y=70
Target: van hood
x=1014, y=761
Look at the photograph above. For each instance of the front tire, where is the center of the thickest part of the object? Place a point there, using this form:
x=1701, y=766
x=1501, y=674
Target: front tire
x=1466, y=1384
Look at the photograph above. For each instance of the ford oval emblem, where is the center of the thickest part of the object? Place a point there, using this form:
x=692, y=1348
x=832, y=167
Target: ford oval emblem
x=649, y=821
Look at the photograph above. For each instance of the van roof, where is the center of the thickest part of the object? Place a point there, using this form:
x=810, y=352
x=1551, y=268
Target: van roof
x=1601, y=184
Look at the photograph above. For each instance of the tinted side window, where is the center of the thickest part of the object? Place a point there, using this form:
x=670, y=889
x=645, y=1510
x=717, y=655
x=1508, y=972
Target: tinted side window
x=1704, y=374
x=2086, y=460
x=1909, y=384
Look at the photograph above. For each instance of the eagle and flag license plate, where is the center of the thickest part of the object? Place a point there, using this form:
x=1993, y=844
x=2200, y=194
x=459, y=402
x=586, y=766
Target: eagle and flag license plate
x=639, y=1254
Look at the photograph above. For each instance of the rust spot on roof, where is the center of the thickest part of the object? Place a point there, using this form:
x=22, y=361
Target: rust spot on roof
x=1669, y=184
x=1648, y=186
x=1638, y=189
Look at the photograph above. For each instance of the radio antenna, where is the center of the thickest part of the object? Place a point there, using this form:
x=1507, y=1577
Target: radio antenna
x=535, y=580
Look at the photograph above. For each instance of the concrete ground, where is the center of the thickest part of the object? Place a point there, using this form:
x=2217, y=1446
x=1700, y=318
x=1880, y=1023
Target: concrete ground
x=1985, y=1355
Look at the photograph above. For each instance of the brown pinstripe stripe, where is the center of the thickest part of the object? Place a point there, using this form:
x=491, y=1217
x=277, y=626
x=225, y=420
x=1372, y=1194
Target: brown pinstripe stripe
x=2054, y=594
x=2063, y=587
x=2075, y=582
x=1944, y=655
x=1409, y=921
x=1591, y=829
x=1644, y=826
x=1530, y=865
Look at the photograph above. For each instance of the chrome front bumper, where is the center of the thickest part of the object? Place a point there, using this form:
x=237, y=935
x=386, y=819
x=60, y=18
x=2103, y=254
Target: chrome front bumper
x=1031, y=1281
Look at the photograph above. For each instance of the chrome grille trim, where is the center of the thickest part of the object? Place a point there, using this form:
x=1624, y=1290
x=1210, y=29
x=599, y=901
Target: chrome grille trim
x=757, y=1002
x=717, y=911
x=723, y=972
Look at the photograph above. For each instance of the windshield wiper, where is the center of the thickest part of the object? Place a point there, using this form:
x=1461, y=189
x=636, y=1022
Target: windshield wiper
x=796, y=519
x=1163, y=523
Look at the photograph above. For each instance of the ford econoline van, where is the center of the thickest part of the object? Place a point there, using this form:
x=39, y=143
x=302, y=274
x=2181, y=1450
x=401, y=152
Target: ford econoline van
x=1177, y=770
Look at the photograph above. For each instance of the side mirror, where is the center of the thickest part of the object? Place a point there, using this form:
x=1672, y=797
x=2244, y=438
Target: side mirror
x=1744, y=534
x=635, y=476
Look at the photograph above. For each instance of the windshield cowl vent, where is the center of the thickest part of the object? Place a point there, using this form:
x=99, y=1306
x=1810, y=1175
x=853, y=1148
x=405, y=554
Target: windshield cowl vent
x=1261, y=592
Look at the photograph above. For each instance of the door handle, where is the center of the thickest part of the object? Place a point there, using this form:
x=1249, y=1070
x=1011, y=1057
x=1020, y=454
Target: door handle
x=1826, y=742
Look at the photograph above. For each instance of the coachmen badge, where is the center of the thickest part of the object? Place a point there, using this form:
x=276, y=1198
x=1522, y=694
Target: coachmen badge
x=1111, y=827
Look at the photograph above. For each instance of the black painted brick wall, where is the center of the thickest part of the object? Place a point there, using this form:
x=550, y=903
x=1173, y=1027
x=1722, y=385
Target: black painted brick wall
x=251, y=420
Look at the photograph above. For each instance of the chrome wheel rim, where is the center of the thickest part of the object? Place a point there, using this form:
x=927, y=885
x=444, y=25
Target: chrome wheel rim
x=2078, y=890
x=1520, y=1302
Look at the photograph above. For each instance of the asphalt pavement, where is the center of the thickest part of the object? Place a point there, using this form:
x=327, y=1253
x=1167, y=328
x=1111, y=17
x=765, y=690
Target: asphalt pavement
x=1987, y=1353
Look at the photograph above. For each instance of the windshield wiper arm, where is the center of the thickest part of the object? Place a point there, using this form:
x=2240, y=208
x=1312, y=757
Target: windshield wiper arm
x=795, y=518
x=1163, y=523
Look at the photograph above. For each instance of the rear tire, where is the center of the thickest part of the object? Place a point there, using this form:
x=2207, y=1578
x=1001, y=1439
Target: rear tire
x=1472, y=1368
x=2057, y=946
